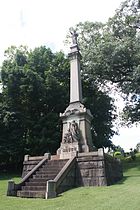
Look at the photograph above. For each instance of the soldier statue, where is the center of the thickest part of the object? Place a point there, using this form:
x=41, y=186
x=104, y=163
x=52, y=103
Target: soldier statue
x=74, y=37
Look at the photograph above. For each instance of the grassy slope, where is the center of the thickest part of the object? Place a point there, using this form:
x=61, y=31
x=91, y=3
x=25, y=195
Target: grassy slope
x=122, y=196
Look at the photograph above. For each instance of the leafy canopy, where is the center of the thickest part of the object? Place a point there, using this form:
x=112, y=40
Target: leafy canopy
x=111, y=54
x=35, y=90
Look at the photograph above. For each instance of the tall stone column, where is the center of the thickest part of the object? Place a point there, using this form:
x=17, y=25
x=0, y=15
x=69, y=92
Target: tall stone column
x=75, y=77
x=76, y=119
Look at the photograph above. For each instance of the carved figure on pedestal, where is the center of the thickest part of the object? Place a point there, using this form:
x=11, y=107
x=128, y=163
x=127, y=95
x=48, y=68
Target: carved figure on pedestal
x=67, y=137
x=74, y=130
x=72, y=134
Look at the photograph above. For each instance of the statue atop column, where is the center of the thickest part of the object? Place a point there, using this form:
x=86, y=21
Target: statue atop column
x=76, y=119
x=74, y=37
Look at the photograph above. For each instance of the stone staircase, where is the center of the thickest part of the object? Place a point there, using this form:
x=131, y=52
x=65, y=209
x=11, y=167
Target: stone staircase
x=35, y=187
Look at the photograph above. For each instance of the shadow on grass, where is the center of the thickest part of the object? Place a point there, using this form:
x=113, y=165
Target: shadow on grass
x=122, y=181
x=131, y=165
x=8, y=176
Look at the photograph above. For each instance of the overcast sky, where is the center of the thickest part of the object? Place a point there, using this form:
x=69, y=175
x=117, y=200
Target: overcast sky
x=46, y=22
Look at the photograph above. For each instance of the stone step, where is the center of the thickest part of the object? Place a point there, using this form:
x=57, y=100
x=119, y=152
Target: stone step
x=34, y=188
x=36, y=183
x=55, y=163
x=47, y=173
x=31, y=194
x=44, y=176
x=51, y=168
x=39, y=180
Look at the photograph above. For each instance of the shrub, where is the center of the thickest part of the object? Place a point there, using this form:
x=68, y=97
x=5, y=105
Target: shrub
x=117, y=153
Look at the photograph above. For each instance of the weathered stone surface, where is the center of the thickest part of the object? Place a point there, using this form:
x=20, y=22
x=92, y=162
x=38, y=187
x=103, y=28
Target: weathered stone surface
x=76, y=119
x=28, y=166
x=51, y=189
x=35, y=186
x=11, y=188
x=97, y=170
x=91, y=170
x=113, y=168
x=88, y=170
x=87, y=165
x=30, y=162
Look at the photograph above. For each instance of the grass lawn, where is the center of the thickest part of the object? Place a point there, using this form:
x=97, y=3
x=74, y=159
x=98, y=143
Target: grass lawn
x=124, y=195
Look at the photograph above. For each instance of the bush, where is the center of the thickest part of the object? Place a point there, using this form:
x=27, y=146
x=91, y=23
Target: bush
x=117, y=153
x=133, y=156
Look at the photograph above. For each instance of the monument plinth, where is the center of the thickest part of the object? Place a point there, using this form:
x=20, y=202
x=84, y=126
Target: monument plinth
x=76, y=119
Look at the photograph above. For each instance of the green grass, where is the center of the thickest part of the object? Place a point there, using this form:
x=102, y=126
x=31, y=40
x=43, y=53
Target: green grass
x=124, y=195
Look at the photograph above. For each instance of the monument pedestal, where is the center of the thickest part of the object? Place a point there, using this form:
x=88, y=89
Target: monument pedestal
x=76, y=135
x=68, y=150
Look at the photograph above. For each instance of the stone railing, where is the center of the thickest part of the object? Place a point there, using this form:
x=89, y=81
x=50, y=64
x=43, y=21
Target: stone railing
x=30, y=162
x=63, y=181
x=13, y=187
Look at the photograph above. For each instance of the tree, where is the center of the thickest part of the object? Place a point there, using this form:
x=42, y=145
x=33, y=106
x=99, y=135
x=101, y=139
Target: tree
x=110, y=53
x=35, y=91
x=32, y=97
x=103, y=111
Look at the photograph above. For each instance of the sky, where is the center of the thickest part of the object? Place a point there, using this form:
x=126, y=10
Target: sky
x=46, y=22
x=128, y=136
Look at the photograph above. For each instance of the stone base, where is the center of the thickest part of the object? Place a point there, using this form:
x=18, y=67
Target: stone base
x=91, y=169
x=78, y=114
x=68, y=150
x=84, y=169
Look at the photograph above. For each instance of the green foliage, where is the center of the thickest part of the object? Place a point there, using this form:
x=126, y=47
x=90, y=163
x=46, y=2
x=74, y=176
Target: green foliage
x=111, y=53
x=103, y=111
x=35, y=91
x=32, y=97
x=117, y=153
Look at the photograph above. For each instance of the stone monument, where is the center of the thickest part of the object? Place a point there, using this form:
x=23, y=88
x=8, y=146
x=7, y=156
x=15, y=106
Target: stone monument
x=75, y=164
x=76, y=119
